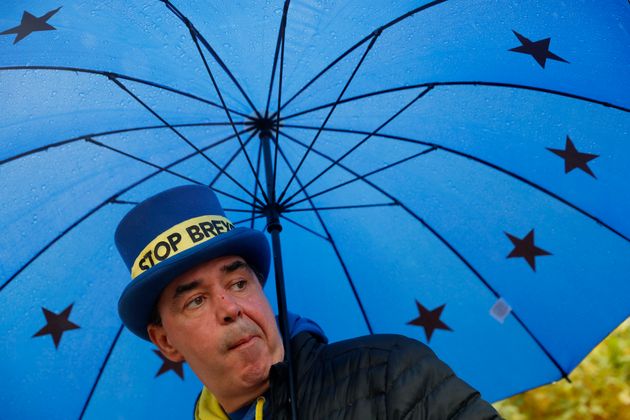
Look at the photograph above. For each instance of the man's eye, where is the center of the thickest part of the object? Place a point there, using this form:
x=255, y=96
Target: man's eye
x=195, y=303
x=240, y=285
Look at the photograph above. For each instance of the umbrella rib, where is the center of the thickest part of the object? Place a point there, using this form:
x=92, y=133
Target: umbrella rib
x=357, y=176
x=197, y=35
x=41, y=149
x=228, y=163
x=51, y=243
x=300, y=225
x=253, y=203
x=216, y=88
x=456, y=253
x=249, y=219
x=233, y=157
x=109, y=74
x=231, y=196
x=100, y=372
x=164, y=169
x=109, y=200
x=180, y=135
x=138, y=159
x=358, y=44
x=363, y=177
x=281, y=31
x=351, y=206
x=335, y=249
x=353, y=131
x=227, y=209
x=280, y=50
x=275, y=153
x=460, y=83
x=101, y=134
x=365, y=139
x=117, y=201
x=332, y=109
x=483, y=162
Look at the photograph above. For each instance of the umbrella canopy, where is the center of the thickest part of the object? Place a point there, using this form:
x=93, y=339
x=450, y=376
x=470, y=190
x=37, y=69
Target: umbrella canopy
x=455, y=171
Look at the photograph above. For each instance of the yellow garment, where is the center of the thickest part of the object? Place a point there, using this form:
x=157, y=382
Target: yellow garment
x=208, y=408
x=260, y=402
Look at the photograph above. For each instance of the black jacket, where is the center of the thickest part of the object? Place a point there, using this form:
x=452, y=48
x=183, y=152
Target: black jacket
x=373, y=377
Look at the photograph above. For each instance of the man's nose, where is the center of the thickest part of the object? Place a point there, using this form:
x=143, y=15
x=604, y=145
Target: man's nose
x=228, y=309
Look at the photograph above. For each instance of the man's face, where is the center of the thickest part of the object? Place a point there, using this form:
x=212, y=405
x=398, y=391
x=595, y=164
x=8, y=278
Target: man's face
x=217, y=318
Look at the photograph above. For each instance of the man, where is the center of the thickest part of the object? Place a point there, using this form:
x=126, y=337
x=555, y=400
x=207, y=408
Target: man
x=197, y=294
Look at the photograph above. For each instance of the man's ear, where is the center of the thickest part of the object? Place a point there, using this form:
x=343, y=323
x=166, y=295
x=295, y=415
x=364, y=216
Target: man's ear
x=158, y=336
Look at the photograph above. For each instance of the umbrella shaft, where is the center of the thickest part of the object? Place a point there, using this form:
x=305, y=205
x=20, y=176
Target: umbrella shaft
x=266, y=137
x=274, y=228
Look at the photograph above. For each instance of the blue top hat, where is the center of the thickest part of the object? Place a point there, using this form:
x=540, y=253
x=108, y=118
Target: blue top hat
x=170, y=233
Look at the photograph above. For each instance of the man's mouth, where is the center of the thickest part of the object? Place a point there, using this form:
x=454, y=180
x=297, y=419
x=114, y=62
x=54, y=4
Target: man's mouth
x=243, y=342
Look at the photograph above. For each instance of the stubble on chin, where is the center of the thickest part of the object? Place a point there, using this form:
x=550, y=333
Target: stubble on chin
x=255, y=369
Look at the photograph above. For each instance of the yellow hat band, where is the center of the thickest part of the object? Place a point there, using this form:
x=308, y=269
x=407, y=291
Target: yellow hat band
x=179, y=238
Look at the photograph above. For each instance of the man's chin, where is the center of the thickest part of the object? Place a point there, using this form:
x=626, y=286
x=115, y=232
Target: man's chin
x=252, y=361
x=256, y=376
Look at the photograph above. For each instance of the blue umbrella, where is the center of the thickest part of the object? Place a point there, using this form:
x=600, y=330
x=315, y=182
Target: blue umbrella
x=454, y=171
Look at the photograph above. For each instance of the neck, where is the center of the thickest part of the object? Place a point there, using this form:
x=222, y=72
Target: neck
x=231, y=403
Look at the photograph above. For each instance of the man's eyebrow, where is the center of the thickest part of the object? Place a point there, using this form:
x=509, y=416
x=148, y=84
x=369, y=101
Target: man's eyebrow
x=236, y=265
x=183, y=288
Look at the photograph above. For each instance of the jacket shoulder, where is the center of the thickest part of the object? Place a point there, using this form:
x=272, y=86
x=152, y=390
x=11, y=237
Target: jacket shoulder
x=384, y=376
x=421, y=386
